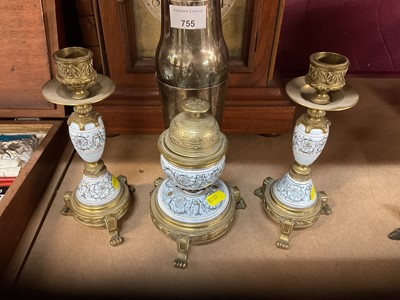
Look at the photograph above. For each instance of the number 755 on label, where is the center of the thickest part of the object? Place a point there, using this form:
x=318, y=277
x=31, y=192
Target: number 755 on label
x=188, y=17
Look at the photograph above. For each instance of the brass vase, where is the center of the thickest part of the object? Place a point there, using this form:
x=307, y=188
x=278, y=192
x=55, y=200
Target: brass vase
x=192, y=56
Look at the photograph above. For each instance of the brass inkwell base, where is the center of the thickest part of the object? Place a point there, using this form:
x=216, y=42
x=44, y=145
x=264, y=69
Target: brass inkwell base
x=193, y=205
x=186, y=234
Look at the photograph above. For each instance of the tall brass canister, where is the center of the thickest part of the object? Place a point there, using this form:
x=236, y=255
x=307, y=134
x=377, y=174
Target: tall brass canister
x=192, y=56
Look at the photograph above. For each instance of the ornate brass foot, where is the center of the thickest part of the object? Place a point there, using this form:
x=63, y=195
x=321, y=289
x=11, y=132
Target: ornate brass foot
x=240, y=204
x=260, y=192
x=395, y=235
x=157, y=182
x=123, y=179
x=286, y=229
x=66, y=210
x=112, y=226
x=101, y=216
x=186, y=234
x=326, y=209
x=183, y=243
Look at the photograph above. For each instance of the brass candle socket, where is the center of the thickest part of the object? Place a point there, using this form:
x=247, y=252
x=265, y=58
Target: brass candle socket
x=326, y=73
x=74, y=69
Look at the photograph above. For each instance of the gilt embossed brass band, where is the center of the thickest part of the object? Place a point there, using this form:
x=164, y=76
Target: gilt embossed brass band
x=74, y=68
x=100, y=199
x=326, y=74
x=293, y=200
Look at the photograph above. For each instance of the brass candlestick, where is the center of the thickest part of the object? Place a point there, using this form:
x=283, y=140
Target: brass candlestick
x=100, y=199
x=293, y=200
x=193, y=205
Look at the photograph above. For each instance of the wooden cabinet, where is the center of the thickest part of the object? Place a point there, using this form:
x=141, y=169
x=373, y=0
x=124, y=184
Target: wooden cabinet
x=23, y=196
x=28, y=34
x=255, y=100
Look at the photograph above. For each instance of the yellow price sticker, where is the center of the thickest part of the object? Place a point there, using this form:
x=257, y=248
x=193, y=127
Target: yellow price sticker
x=312, y=193
x=215, y=198
x=115, y=182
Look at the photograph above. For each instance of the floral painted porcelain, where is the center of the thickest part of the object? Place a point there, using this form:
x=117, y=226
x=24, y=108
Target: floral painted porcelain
x=89, y=142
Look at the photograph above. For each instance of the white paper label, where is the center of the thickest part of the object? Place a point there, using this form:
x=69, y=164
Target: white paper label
x=188, y=17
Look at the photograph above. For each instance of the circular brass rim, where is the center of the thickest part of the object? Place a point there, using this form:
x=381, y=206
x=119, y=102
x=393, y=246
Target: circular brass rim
x=73, y=54
x=299, y=91
x=94, y=216
x=198, y=233
x=100, y=88
x=329, y=60
x=279, y=212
